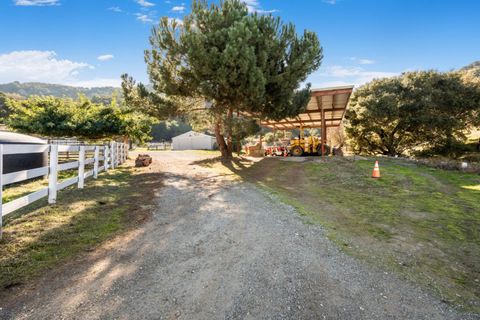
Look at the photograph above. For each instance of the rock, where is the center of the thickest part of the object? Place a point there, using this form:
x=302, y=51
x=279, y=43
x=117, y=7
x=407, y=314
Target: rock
x=143, y=160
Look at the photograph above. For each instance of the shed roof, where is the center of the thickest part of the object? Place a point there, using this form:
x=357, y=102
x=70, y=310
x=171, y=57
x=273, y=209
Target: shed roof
x=18, y=138
x=194, y=134
x=332, y=100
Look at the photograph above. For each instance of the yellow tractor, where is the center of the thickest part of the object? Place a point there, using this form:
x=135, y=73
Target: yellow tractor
x=306, y=145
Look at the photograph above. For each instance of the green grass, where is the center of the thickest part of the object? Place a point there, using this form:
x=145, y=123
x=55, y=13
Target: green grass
x=18, y=190
x=41, y=236
x=421, y=222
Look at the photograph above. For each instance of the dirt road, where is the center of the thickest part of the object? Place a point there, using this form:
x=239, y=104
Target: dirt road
x=221, y=249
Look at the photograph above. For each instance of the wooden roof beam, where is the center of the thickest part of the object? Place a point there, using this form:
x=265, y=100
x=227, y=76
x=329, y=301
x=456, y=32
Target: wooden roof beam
x=330, y=92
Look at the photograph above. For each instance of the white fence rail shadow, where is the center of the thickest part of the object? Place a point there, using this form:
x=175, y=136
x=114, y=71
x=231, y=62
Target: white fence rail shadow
x=95, y=158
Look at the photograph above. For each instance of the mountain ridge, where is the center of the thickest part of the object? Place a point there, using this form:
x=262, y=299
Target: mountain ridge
x=27, y=89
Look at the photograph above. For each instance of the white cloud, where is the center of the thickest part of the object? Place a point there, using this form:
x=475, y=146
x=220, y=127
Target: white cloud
x=366, y=61
x=143, y=17
x=362, y=61
x=179, y=9
x=178, y=21
x=341, y=75
x=40, y=66
x=340, y=71
x=44, y=66
x=115, y=9
x=38, y=3
x=97, y=82
x=105, y=57
x=260, y=11
x=332, y=2
x=254, y=6
x=145, y=3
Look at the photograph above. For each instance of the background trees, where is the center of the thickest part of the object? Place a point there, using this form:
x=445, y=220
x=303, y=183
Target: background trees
x=424, y=110
x=237, y=62
x=57, y=117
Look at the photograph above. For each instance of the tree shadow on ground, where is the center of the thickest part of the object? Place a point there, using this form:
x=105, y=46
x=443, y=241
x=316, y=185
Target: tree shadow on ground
x=248, y=169
x=41, y=236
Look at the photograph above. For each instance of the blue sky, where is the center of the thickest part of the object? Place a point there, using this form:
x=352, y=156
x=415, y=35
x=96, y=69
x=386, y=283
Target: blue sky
x=92, y=42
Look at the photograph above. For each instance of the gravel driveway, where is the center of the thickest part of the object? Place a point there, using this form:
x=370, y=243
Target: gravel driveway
x=221, y=249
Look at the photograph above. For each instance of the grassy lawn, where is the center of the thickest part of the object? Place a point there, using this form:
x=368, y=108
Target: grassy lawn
x=420, y=222
x=41, y=236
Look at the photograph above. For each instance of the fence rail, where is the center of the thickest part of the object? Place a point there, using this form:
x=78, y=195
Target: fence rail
x=159, y=146
x=91, y=160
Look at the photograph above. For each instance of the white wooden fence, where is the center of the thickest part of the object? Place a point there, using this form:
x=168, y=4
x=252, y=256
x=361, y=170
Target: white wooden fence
x=96, y=158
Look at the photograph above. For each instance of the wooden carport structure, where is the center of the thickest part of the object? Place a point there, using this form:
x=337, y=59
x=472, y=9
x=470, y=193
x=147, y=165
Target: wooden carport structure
x=326, y=109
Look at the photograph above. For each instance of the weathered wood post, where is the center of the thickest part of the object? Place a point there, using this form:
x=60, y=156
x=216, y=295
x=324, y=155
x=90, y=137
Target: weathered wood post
x=52, y=174
x=81, y=167
x=95, y=162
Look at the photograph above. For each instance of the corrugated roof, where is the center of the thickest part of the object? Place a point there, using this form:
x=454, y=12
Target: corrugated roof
x=192, y=133
x=332, y=100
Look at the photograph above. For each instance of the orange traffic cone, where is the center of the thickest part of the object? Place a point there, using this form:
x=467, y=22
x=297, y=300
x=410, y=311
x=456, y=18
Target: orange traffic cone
x=376, y=171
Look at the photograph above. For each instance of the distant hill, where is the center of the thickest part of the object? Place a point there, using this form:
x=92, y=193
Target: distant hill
x=473, y=68
x=45, y=89
x=472, y=65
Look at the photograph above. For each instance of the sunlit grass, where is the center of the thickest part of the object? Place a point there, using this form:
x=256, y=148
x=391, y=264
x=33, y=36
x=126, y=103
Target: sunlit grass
x=419, y=221
x=40, y=236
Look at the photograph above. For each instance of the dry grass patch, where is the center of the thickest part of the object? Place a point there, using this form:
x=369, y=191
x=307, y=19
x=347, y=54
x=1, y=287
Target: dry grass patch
x=421, y=222
x=40, y=236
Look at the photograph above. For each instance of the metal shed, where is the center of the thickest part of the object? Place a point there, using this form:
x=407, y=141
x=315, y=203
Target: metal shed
x=325, y=109
x=26, y=161
x=193, y=141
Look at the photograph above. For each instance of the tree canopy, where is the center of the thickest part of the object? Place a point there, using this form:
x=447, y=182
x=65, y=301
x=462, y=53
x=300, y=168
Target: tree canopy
x=228, y=63
x=424, y=110
x=57, y=117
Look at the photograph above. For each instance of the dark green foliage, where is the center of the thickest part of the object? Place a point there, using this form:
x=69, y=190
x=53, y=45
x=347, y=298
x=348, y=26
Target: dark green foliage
x=166, y=130
x=238, y=62
x=425, y=110
x=57, y=117
x=4, y=111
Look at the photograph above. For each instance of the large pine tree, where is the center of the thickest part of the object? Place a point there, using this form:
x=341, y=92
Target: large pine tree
x=239, y=63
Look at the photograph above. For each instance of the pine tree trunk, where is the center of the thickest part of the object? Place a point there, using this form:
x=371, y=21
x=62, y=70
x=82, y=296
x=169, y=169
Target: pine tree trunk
x=229, y=133
x=220, y=140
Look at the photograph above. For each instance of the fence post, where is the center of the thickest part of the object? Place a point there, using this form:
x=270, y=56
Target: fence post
x=121, y=152
x=1, y=189
x=112, y=155
x=119, y=159
x=81, y=167
x=95, y=162
x=116, y=155
x=105, y=156
x=52, y=174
